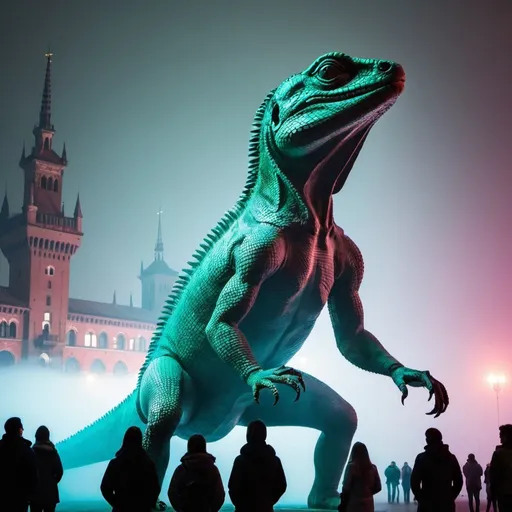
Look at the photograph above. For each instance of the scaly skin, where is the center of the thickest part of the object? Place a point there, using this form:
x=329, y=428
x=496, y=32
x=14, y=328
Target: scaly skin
x=260, y=280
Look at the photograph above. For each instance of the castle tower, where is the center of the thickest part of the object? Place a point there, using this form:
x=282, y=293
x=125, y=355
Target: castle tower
x=157, y=279
x=40, y=241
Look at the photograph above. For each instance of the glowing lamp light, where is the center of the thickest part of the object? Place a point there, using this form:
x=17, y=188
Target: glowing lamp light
x=90, y=378
x=496, y=380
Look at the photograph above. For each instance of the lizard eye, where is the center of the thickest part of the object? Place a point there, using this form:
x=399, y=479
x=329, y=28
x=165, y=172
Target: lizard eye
x=330, y=71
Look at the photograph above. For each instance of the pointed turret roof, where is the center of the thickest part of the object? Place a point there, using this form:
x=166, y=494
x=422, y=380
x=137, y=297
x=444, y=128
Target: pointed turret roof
x=131, y=300
x=114, y=299
x=78, y=208
x=4, y=212
x=159, y=245
x=45, y=114
x=64, y=154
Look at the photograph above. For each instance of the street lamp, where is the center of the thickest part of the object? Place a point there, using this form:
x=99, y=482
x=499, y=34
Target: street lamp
x=497, y=381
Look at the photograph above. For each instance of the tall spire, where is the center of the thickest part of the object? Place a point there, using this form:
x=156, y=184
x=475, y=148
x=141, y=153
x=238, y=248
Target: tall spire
x=131, y=300
x=159, y=246
x=114, y=299
x=45, y=115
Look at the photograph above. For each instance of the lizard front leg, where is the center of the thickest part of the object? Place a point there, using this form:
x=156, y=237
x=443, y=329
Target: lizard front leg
x=363, y=349
x=256, y=258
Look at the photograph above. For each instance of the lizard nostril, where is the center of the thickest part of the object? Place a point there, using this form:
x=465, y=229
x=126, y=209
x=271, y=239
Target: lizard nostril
x=384, y=66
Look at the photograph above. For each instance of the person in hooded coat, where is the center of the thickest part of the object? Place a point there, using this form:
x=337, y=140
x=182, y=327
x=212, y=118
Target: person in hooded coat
x=406, y=482
x=360, y=482
x=18, y=470
x=501, y=470
x=257, y=479
x=473, y=473
x=49, y=466
x=130, y=483
x=196, y=485
x=436, y=478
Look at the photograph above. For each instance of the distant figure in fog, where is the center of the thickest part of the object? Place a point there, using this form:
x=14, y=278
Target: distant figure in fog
x=49, y=467
x=196, y=485
x=436, y=478
x=487, y=482
x=406, y=482
x=130, y=483
x=257, y=479
x=501, y=470
x=473, y=473
x=360, y=483
x=392, y=474
x=18, y=470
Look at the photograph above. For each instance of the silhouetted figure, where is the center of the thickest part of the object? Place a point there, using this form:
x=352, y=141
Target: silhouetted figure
x=360, y=483
x=257, y=479
x=196, y=485
x=487, y=482
x=501, y=470
x=49, y=467
x=130, y=483
x=406, y=482
x=18, y=471
x=473, y=473
x=436, y=478
x=392, y=474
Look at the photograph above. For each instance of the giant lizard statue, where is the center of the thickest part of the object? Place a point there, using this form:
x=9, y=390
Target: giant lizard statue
x=247, y=302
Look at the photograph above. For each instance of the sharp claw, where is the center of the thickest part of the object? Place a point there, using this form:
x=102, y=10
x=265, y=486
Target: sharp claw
x=404, y=396
x=431, y=394
x=276, y=399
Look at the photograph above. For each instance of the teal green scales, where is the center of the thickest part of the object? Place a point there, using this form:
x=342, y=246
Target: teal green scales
x=256, y=286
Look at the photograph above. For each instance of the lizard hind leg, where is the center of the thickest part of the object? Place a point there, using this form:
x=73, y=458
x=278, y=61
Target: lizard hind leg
x=322, y=409
x=161, y=401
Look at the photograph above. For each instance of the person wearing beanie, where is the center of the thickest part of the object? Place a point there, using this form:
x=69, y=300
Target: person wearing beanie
x=473, y=473
x=18, y=470
x=49, y=466
x=436, y=478
x=196, y=485
x=130, y=482
x=501, y=470
x=257, y=479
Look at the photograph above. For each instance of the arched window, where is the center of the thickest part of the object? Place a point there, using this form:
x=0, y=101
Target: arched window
x=97, y=367
x=57, y=246
x=36, y=240
x=50, y=184
x=46, y=243
x=12, y=330
x=90, y=339
x=3, y=329
x=6, y=358
x=120, y=368
x=51, y=245
x=43, y=182
x=71, y=338
x=103, y=340
x=41, y=241
x=72, y=365
x=142, y=344
x=120, y=342
x=67, y=248
x=46, y=143
x=56, y=185
x=49, y=270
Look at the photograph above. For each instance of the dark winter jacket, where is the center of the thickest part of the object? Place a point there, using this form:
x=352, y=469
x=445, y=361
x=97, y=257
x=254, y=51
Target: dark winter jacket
x=257, y=479
x=473, y=473
x=406, y=477
x=50, y=473
x=436, y=479
x=392, y=474
x=18, y=471
x=130, y=483
x=501, y=471
x=196, y=485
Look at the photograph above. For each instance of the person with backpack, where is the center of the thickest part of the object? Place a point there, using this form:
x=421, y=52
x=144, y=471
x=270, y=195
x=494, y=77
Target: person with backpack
x=130, y=483
x=49, y=466
x=196, y=485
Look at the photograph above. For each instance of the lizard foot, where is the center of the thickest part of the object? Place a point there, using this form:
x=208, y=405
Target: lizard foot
x=262, y=379
x=318, y=500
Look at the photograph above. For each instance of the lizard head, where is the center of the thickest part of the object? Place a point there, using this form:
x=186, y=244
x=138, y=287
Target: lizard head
x=317, y=120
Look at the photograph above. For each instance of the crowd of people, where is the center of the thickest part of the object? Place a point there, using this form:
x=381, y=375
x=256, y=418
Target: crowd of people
x=30, y=474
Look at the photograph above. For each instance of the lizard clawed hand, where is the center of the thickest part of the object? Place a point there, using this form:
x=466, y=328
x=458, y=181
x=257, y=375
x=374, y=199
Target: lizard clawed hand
x=404, y=377
x=262, y=379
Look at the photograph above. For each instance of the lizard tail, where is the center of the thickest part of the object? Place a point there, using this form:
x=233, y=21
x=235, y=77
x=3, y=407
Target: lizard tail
x=100, y=440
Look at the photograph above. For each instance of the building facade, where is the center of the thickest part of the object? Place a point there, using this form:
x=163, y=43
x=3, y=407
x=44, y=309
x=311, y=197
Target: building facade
x=39, y=322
